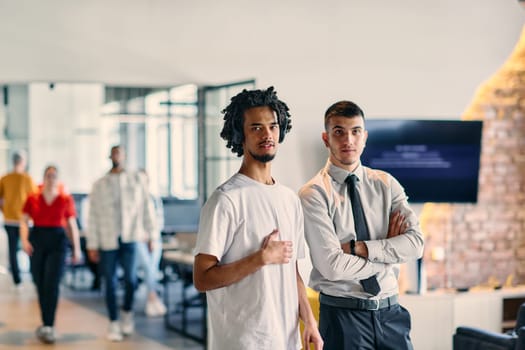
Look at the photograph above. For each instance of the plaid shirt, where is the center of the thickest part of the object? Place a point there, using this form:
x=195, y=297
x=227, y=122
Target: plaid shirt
x=134, y=222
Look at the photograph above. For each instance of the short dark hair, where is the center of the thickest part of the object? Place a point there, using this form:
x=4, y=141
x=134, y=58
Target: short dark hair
x=19, y=156
x=233, y=131
x=343, y=109
x=114, y=147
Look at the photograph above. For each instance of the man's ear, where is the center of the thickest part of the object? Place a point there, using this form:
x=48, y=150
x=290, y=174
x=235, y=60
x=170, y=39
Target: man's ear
x=324, y=136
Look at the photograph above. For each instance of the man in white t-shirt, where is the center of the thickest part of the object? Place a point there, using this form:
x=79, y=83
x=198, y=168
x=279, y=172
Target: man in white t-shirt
x=250, y=237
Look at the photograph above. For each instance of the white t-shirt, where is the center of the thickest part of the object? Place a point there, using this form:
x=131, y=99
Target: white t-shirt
x=260, y=311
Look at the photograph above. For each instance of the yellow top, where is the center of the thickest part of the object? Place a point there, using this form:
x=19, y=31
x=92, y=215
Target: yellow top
x=14, y=189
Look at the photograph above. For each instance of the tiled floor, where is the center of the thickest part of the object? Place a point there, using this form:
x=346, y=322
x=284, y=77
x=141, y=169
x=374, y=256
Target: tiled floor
x=81, y=322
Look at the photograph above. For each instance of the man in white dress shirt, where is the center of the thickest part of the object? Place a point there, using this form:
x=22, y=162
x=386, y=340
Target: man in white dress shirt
x=353, y=316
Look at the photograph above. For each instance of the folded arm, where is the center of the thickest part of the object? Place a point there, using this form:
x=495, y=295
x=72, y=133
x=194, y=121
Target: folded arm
x=408, y=243
x=325, y=249
x=396, y=226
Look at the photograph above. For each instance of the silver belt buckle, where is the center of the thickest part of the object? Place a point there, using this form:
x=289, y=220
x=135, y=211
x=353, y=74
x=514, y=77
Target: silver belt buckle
x=376, y=307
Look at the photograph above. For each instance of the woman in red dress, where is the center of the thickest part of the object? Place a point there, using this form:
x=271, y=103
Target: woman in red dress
x=49, y=209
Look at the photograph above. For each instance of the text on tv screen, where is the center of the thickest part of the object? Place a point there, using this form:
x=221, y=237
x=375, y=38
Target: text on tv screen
x=434, y=160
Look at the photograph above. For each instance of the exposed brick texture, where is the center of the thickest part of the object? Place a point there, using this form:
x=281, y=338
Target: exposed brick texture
x=486, y=240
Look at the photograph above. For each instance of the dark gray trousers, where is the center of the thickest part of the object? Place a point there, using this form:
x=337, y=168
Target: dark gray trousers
x=349, y=329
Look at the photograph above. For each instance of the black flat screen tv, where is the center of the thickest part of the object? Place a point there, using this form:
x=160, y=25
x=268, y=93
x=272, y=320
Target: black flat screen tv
x=434, y=160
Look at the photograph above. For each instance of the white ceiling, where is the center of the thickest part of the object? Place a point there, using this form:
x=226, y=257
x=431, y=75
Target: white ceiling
x=404, y=58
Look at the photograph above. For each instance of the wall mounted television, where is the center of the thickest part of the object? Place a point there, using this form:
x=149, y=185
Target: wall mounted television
x=434, y=160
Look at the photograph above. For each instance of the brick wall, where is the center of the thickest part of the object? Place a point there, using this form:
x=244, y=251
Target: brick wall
x=484, y=243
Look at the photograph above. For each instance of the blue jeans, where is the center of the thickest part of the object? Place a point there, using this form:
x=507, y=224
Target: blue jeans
x=150, y=262
x=125, y=255
x=13, y=237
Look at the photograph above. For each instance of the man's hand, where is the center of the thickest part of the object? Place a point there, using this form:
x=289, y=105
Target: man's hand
x=274, y=251
x=93, y=255
x=151, y=246
x=311, y=335
x=396, y=225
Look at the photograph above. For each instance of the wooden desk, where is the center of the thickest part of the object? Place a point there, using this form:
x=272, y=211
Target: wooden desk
x=171, y=244
x=179, y=257
x=184, y=241
x=182, y=262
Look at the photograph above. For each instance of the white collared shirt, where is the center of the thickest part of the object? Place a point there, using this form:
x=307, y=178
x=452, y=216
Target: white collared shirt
x=329, y=222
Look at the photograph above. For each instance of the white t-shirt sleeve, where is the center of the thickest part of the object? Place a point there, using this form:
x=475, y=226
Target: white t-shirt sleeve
x=215, y=226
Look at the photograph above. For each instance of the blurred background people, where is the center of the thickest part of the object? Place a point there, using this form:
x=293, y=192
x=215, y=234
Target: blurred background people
x=149, y=255
x=14, y=189
x=49, y=209
x=120, y=215
x=82, y=218
x=93, y=266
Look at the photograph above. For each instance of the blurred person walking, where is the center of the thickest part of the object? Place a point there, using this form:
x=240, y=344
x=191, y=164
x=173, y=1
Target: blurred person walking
x=149, y=254
x=120, y=215
x=15, y=187
x=46, y=244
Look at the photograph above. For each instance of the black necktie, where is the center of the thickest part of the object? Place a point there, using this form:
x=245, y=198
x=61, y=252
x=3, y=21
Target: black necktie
x=370, y=284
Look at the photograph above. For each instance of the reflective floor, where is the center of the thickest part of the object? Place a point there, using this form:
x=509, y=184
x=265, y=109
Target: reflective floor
x=81, y=322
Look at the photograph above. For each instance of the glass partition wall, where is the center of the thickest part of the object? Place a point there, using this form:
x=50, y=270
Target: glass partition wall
x=158, y=128
x=218, y=163
x=171, y=132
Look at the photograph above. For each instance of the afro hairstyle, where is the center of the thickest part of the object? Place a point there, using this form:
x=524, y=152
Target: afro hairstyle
x=232, y=130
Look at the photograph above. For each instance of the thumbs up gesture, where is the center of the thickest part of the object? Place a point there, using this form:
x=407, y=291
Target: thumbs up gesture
x=276, y=251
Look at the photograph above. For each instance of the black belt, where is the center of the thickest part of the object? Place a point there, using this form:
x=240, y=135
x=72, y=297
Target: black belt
x=357, y=303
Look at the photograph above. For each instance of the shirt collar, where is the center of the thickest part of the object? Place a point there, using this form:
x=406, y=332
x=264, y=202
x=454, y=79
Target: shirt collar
x=340, y=174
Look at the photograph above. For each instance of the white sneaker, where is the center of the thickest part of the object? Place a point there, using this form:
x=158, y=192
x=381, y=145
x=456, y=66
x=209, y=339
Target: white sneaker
x=127, y=324
x=151, y=308
x=114, y=331
x=46, y=334
x=155, y=308
x=161, y=308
